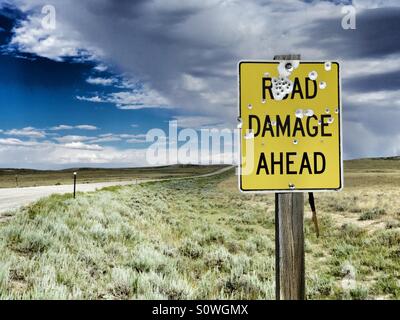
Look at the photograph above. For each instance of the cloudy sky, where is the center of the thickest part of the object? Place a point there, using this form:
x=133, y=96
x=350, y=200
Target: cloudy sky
x=87, y=91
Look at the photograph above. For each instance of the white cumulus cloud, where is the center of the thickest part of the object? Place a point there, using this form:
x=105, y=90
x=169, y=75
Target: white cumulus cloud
x=26, y=132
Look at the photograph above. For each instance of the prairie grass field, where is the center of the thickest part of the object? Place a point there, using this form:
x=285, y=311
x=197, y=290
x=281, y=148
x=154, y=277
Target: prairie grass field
x=10, y=178
x=199, y=238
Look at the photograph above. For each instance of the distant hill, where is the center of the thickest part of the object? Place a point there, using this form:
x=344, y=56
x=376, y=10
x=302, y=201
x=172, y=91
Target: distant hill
x=373, y=164
x=28, y=177
x=389, y=158
x=158, y=168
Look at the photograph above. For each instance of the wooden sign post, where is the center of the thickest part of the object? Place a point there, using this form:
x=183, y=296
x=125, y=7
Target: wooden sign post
x=289, y=246
x=289, y=239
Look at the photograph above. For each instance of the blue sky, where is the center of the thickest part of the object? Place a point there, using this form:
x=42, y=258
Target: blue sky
x=48, y=101
x=87, y=91
x=43, y=94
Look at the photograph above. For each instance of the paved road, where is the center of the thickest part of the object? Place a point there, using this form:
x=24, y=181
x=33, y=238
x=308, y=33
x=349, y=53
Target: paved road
x=13, y=198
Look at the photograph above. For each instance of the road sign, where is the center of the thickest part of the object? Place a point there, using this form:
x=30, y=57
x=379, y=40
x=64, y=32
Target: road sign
x=290, y=120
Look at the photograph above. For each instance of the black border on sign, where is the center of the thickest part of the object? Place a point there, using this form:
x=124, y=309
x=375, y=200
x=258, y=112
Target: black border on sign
x=340, y=132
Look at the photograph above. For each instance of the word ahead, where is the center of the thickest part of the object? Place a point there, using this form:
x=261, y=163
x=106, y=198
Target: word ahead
x=290, y=120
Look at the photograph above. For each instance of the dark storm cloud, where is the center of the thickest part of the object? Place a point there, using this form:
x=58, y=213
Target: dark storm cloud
x=121, y=9
x=8, y=17
x=370, y=126
x=384, y=122
x=151, y=41
x=131, y=10
x=376, y=35
x=374, y=82
x=345, y=2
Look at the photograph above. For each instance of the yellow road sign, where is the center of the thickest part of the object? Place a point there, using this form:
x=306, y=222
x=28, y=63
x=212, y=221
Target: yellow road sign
x=290, y=119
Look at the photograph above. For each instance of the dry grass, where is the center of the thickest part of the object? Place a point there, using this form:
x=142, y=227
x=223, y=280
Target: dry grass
x=199, y=239
x=10, y=178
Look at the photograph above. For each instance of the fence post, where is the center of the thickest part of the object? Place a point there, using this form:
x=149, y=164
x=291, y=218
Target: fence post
x=74, y=184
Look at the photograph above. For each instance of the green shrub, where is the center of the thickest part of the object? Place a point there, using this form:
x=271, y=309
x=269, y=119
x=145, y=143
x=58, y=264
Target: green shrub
x=123, y=282
x=4, y=275
x=388, y=285
x=359, y=293
x=33, y=242
x=319, y=287
x=372, y=214
x=191, y=249
x=218, y=258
